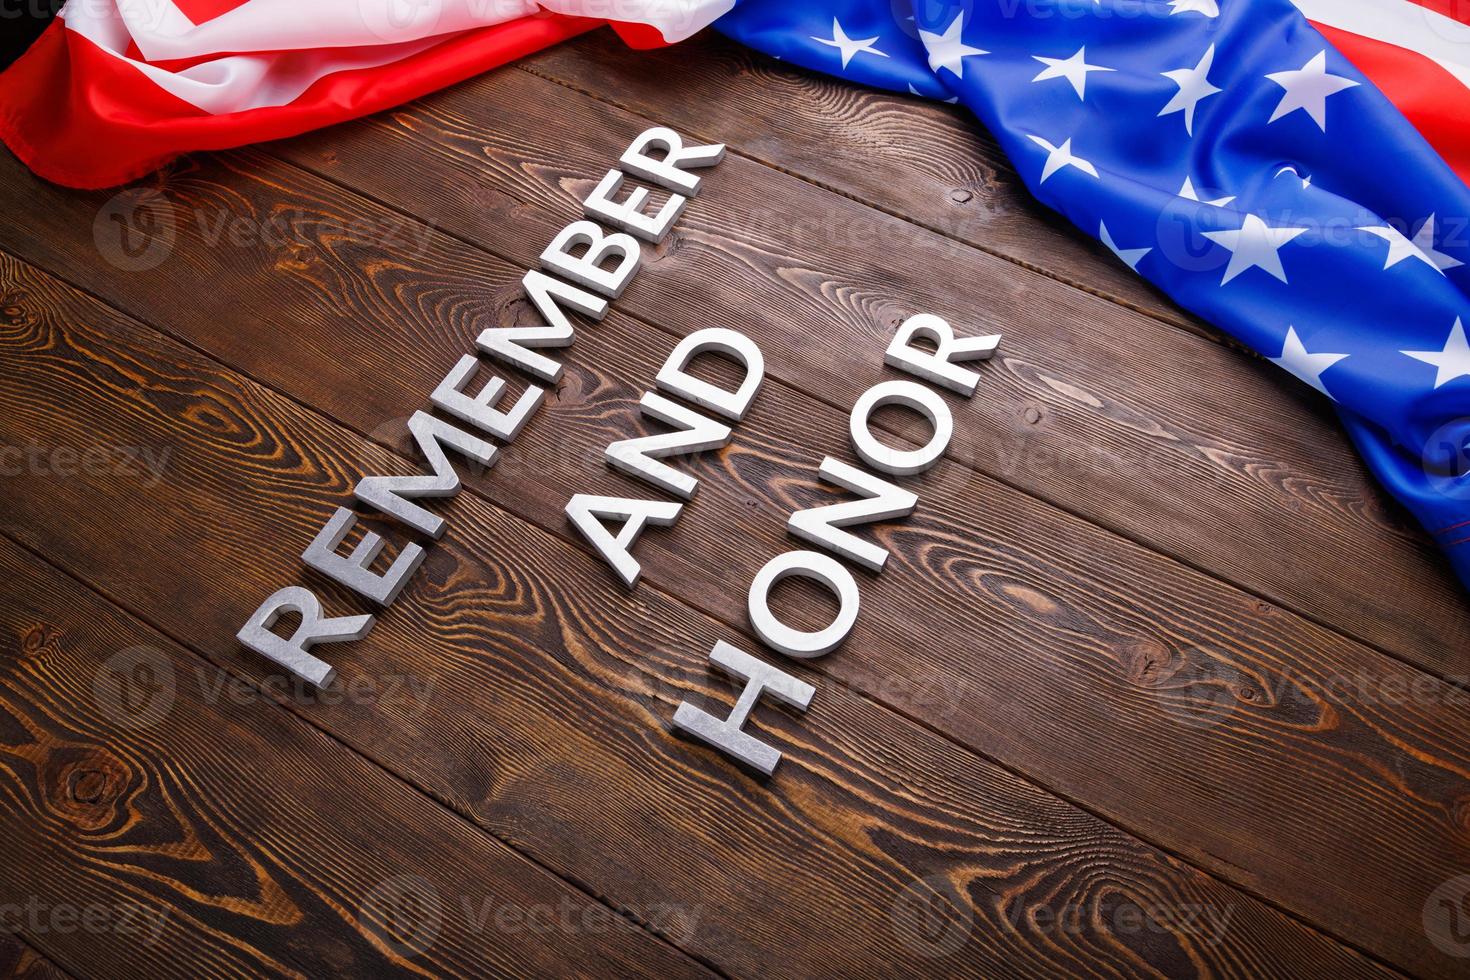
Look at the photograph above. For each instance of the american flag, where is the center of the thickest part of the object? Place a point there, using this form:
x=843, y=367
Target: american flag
x=1292, y=172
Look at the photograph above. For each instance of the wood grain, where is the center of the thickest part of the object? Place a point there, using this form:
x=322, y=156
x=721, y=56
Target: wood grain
x=21, y=962
x=925, y=162
x=884, y=846
x=1044, y=622
x=1161, y=436
x=209, y=833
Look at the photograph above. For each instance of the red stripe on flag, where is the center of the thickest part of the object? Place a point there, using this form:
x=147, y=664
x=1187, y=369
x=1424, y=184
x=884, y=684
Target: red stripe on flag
x=79, y=116
x=1431, y=98
x=1454, y=9
x=199, y=11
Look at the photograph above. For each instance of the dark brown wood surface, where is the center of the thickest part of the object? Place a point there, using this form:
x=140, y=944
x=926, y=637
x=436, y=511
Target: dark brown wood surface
x=1156, y=683
x=22, y=962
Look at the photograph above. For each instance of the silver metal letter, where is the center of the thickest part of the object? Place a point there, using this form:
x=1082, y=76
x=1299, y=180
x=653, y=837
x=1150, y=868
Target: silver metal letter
x=911, y=395
x=669, y=171
x=673, y=377
x=291, y=654
x=629, y=215
x=587, y=512
x=392, y=494
x=725, y=734
x=881, y=501
x=476, y=410
x=354, y=571
x=939, y=367
x=639, y=457
x=509, y=343
x=587, y=270
x=819, y=568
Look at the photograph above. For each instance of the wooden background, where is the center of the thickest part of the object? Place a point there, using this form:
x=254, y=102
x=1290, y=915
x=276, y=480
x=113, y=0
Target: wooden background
x=1152, y=655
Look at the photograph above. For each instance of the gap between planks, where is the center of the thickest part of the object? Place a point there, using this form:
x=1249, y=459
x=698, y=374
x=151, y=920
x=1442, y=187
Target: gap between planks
x=1124, y=533
x=714, y=616
x=1182, y=323
x=282, y=704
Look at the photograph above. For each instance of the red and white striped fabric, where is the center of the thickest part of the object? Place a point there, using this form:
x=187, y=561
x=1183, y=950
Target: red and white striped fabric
x=1418, y=53
x=115, y=88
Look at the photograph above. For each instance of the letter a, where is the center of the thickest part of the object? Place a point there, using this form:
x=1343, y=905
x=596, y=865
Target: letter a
x=588, y=512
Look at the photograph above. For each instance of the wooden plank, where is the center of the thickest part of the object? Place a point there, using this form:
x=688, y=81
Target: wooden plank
x=160, y=822
x=926, y=162
x=1103, y=644
x=1111, y=645
x=1161, y=436
x=21, y=962
x=551, y=693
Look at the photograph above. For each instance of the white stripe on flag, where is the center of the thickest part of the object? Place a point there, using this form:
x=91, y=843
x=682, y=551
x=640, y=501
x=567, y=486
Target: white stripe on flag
x=235, y=82
x=1401, y=23
x=162, y=32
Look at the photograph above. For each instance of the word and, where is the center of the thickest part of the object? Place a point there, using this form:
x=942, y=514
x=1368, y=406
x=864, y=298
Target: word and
x=693, y=432
x=878, y=499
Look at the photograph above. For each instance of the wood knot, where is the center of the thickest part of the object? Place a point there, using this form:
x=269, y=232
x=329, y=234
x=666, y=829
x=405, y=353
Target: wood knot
x=1147, y=661
x=86, y=785
x=1032, y=415
x=510, y=306
x=12, y=306
x=664, y=249
x=1460, y=815
x=40, y=640
x=298, y=257
x=961, y=196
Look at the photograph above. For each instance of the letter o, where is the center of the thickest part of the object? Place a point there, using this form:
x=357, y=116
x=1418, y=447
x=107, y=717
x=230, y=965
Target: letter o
x=819, y=568
x=900, y=462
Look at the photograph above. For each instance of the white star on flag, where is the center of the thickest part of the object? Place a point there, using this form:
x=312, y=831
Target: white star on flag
x=847, y=45
x=1073, y=69
x=1194, y=86
x=1130, y=256
x=1421, y=247
x=1061, y=156
x=1207, y=7
x=1255, y=245
x=1307, y=367
x=948, y=50
x=1307, y=89
x=1450, y=363
x=1189, y=194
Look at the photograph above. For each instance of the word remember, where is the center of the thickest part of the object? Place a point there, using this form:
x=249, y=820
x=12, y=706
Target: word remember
x=582, y=268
